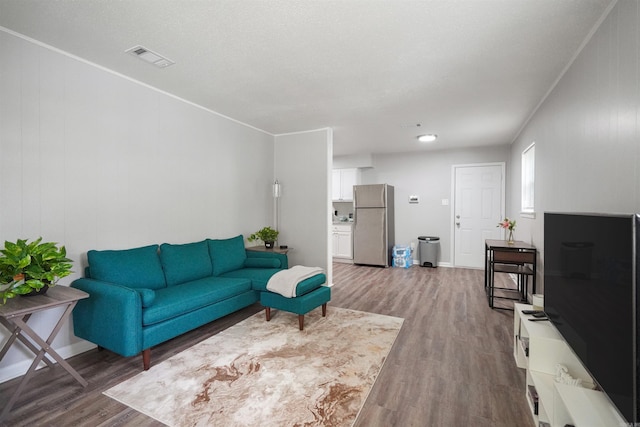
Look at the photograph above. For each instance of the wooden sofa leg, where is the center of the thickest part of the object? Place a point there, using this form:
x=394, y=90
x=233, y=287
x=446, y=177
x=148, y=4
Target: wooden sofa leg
x=301, y=321
x=146, y=359
x=267, y=310
x=324, y=310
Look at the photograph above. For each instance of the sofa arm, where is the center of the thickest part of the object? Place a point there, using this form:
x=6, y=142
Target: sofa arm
x=284, y=261
x=111, y=317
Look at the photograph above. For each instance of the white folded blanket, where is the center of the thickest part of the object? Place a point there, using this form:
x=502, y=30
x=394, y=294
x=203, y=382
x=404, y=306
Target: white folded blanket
x=284, y=282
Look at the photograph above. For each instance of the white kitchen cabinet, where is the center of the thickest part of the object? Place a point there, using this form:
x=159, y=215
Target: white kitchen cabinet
x=343, y=181
x=336, y=180
x=342, y=241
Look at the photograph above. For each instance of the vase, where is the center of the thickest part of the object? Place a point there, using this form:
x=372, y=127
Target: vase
x=510, y=239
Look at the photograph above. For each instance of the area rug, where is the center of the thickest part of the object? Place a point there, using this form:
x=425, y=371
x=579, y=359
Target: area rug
x=259, y=373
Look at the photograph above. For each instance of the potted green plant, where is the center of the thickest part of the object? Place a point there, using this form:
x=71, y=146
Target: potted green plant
x=30, y=268
x=267, y=234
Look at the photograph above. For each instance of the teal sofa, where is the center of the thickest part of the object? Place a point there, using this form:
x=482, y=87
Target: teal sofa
x=144, y=296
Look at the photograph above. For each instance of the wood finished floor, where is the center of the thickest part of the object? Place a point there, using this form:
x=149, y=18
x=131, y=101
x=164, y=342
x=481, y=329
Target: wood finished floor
x=451, y=364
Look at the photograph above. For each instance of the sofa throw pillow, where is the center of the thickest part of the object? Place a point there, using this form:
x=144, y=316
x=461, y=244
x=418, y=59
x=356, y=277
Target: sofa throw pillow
x=262, y=263
x=133, y=268
x=227, y=254
x=183, y=263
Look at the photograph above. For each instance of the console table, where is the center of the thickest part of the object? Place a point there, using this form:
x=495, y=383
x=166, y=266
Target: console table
x=518, y=258
x=14, y=316
x=537, y=348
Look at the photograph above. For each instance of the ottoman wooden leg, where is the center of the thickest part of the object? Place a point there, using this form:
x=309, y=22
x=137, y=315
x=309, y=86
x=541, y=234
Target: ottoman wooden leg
x=301, y=321
x=268, y=312
x=324, y=310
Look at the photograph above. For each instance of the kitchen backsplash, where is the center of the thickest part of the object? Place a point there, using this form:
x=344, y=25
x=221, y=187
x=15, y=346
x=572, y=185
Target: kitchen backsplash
x=343, y=208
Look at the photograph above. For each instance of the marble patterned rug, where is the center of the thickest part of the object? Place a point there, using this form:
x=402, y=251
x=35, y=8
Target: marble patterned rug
x=259, y=373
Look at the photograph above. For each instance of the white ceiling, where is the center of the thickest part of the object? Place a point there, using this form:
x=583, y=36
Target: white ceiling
x=471, y=71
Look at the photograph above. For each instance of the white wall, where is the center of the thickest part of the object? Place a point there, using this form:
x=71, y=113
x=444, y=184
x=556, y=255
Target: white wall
x=428, y=175
x=92, y=160
x=586, y=132
x=302, y=166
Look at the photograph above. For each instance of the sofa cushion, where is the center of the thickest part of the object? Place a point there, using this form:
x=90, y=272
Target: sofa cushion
x=134, y=268
x=175, y=301
x=184, y=263
x=262, y=263
x=258, y=276
x=227, y=254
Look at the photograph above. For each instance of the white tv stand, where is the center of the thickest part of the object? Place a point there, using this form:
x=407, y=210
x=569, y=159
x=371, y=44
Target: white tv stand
x=558, y=404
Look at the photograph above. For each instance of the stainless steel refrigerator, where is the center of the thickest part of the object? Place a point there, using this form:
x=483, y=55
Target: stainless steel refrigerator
x=373, y=230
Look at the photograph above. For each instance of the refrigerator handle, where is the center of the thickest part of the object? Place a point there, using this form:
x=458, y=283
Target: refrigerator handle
x=355, y=190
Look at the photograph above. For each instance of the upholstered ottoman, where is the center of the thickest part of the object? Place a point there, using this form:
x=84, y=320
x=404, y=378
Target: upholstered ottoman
x=310, y=294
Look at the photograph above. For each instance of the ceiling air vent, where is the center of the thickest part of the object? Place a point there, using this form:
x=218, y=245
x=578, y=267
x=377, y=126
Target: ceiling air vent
x=150, y=56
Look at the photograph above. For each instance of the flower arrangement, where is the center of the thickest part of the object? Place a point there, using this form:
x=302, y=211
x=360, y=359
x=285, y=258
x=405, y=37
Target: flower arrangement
x=510, y=225
x=507, y=224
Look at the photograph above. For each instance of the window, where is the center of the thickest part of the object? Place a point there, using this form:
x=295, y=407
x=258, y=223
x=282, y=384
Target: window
x=528, y=180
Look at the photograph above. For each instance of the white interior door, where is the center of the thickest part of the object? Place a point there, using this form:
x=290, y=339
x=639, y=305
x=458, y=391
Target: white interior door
x=478, y=207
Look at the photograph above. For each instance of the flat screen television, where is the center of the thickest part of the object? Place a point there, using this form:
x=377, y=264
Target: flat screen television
x=591, y=295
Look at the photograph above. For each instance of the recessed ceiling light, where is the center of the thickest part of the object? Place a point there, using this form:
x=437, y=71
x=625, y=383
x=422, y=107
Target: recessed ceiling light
x=428, y=138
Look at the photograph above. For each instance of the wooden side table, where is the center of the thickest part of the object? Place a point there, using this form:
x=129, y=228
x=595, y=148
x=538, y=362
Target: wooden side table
x=14, y=316
x=276, y=250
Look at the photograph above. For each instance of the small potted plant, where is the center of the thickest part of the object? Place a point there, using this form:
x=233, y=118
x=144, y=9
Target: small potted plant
x=30, y=268
x=267, y=234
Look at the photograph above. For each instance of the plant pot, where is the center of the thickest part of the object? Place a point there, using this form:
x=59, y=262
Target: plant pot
x=43, y=290
x=268, y=245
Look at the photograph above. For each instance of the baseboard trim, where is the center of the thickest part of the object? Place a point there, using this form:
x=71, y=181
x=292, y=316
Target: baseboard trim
x=18, y=369
x=343, y=260
x=440, y=264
